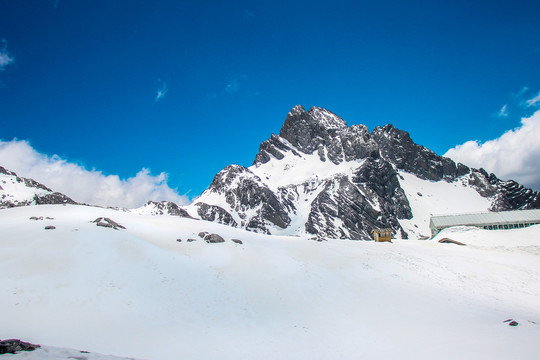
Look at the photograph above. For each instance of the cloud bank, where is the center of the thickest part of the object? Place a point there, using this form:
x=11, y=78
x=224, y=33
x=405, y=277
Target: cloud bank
x=514, y=155
x=86, y=186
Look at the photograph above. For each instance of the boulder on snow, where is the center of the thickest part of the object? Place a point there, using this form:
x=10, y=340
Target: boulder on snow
x=450, y=241
x=36, y=218
x=106, y=222
x=237, y=241
x=202, y=234
x=191, y=240
x=214, y=238
x=511, y=322
x=11, y=346
x=50, y=227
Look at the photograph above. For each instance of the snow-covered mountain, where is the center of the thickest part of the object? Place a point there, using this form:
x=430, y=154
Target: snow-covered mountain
x=160, y=208
x=322, y=177
x=20, y=191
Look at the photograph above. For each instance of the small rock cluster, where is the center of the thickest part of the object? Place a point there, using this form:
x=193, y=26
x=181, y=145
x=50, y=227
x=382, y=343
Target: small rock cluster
x=11, y=346
x=211, y=238
x=38, y=218
x=108, y=223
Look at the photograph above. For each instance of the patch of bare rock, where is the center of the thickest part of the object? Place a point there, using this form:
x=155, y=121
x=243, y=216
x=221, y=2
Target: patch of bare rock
x=12, y=346
x=108, y=223
x=211, y=238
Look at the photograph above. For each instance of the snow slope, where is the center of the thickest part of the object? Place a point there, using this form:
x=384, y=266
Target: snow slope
x=299, y=168
x=55, y=353
x=428, y=198
x=18, y=191
x=141, y=293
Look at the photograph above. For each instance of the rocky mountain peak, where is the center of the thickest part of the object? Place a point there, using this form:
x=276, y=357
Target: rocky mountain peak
x=230, y=174
x=306, y=130
x=326, y=119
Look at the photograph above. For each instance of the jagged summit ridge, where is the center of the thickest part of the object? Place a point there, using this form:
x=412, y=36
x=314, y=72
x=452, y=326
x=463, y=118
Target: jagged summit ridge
x=321, y=131
x=306, y=129
x=325, y=178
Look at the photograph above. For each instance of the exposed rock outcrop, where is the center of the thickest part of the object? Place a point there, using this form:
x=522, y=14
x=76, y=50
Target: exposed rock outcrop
x=108, y=223
x=12, y=346
x=161, y=208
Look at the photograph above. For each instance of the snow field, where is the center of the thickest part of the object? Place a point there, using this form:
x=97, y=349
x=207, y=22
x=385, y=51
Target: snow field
x=428, y=198
x=138, y=292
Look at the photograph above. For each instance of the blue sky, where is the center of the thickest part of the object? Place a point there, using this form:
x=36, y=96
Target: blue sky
x=189, y=87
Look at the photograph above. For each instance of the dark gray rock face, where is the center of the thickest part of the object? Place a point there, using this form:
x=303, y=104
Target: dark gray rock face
x=306, y=130
x=215, y=213
x=53, y=198
x=243, y=191
x=351, y=209
x=12, y=346
x=397, y=147
x=507, y=195
x=343, y=205
x=273, y=147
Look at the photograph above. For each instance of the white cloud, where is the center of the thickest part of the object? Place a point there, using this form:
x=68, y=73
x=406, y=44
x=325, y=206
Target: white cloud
x=503, y=112
x=5, y=58
x=86, y=186
x=535, y=101
x=514, y=155
x=521, y=91
x=161, y=91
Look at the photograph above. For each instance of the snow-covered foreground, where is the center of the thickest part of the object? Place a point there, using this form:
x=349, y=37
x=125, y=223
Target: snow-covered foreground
x=55, y=353
x=140, y=293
